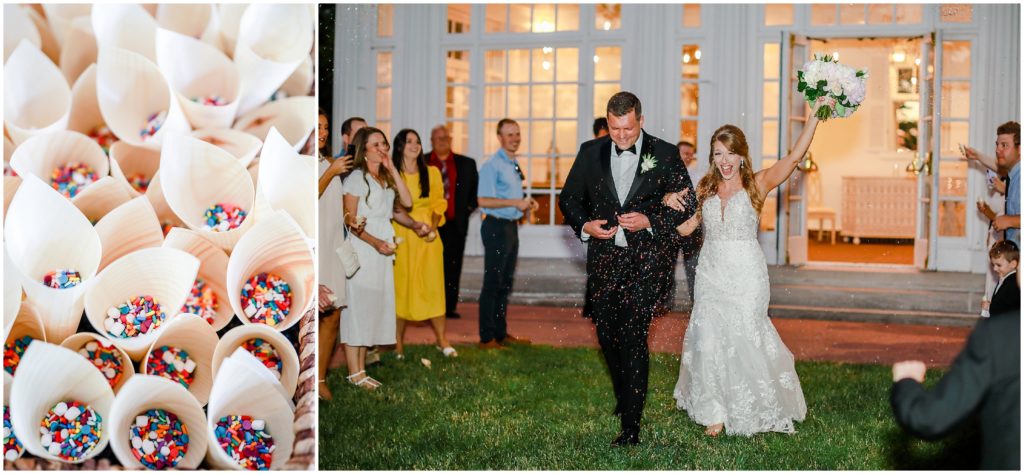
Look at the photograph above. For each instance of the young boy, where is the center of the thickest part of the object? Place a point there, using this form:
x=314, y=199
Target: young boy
x=1005, y=257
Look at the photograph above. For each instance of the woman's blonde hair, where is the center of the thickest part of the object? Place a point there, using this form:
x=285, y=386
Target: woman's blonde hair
x=736, y=142
x=359, y=162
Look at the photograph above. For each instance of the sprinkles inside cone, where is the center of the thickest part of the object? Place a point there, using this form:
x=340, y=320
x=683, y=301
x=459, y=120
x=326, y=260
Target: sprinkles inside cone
x=105, y=358
x=139, y=182
x=69, y=179
x=153, y=124
x=202, y=301
x=246, y=441
x=222, y=217
x=8, y=171
x=212, y=99
x=266, y=298
x=12, y=447
x=159, y=439
x=102, y=135
x=173, y=364
x=139, y=315
x=265, y=353
x=62, y=278
x=13, y=352
x=166, y=227
x=70, y=430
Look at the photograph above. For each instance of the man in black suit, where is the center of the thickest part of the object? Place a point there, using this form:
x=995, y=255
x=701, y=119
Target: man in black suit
x=612, y=199
x=459, y=175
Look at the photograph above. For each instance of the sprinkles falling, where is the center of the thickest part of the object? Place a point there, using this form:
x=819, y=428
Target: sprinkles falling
x=202, y=301
x=153, y=124
x=105, y=358
x=13, y=352
x=69, y=179
x=246, y=441
x=173, y=364
x=138, y=315
x=70, y=430
x=12, y=447
x=265, y=353
x=159, y=439
x=266, y=298
x=62, y=278
x=222, y=217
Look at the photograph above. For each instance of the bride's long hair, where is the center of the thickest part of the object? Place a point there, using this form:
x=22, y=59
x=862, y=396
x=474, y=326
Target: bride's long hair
x=735, y=141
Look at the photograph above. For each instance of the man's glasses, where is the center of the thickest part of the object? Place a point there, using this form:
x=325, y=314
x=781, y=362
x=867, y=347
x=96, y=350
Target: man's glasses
x=519, y=170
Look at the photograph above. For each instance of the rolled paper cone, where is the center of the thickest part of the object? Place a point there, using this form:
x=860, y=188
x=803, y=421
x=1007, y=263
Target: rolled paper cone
x=102, y=197
x=281, y=171
x=80, y=51
x=254, y=172
x=229, y=16
x=150, y=9
x=44, y=232
x=131, y=226
x=155, y=194
x=50, y=374
x=127, y=26
x=127, y=160
x=195, y=336
x=60, y=17
x=49, y=45
x=26, y=323
x=18, y=26
x=196, y=70
x=12, y=294
x=148, y=392
x=165, y=274
x=234, y=339
x=241, y=145
x=75, y=342
x=276, y=245
x=300, y=83
x=131, y=90
x=243, y=387
x=11, y=184
x=188, y=19
x=293, y=117
x=9, y=147
x=85, y=106
x=213, y=268
x=43, y=153
x=272, y=41
x=195, y=176
x=37, y=98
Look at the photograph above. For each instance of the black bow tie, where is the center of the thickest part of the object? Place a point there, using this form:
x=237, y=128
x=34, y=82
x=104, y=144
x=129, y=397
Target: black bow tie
x=620, y=151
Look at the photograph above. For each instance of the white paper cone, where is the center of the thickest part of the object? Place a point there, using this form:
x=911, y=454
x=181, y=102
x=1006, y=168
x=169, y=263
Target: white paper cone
x=43, y=153
x=18, y=26
x=60, y=17
x=241, y=145
x=50, y=46
x=131, y=226
x=128, y=26
x=229, y=16
x=9, y=147
x=50, y=374
x=243, y=387
x=287, y=179
x=11, y=184
x=37, y=98
x=85, y=106
x=12, y=294
x=192, y=334
x=26, y=323
x=195, y=70
x=78, y=341
x=155, y=194
x=213, y=268
x=195, y=175
x=45, y=232
x=275, y=245
x=237, y=336
x=127, y=160
x=102, y=197
x=294, y=117
x=130, y=89
x=147, y=392
x=272, y=42
x=165, y=274
x=80, y=51
x=300, y=83
x=188, y=19
x=254, y=172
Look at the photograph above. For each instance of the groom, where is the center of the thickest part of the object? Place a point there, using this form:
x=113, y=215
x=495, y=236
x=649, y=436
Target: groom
x=612, y=198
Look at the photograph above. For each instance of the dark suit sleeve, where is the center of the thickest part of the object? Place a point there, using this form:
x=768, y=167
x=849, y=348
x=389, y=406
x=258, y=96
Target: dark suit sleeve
x=472, y=180
x=931, y=414
x=664, y=219
x=573, y=200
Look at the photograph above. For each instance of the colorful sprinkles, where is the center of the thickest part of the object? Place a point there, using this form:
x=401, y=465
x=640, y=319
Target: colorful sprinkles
x=153, y=124
x=139, y=182
x=102, y=135
x=13, y=352
x=212, y=99
x=70, y=430
x=62, y=278
x=12, y=447
x=69, y=179
x=266, y=298
x=137, y=316
x=105, y=358
x=265, y=353
x=159, y=439
x=222, y=217
x=202, y=301
x=246, y=441
x=173, y=364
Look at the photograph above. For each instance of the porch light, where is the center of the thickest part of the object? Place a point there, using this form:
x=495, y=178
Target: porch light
x=607, y=25
x=686, y=58
x=696, y=54
x=899, y=56
x=596, y=58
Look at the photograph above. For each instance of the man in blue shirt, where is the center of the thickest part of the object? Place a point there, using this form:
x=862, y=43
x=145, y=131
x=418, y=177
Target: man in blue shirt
x=501, y=199
x=1007, y=163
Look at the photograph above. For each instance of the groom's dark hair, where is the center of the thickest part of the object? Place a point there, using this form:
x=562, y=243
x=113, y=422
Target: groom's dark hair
x=622, y=103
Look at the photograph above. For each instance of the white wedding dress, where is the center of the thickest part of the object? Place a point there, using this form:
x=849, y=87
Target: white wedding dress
x=735, y=369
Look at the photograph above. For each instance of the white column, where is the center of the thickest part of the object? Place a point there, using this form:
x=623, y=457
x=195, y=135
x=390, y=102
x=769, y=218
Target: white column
x=353, y=66
x=417, y=77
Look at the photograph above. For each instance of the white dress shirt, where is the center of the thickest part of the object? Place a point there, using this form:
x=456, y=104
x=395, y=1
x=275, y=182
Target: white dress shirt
x=623, y=168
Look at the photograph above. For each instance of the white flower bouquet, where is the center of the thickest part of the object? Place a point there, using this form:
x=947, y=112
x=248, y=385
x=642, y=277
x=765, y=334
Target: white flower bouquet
x=832, y=90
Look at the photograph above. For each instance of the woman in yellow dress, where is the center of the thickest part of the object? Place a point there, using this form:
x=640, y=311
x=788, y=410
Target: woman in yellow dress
x=419, y=261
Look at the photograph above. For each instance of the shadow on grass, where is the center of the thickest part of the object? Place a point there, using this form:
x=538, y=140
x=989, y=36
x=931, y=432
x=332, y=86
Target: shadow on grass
x=961, y=450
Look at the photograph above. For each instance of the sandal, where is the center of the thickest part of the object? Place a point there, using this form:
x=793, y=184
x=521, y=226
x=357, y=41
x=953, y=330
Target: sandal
x=448, y=351
x=367, y=382
x=324, y=392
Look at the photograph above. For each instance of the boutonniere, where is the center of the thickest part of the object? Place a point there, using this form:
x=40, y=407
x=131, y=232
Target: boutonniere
x=648, y=162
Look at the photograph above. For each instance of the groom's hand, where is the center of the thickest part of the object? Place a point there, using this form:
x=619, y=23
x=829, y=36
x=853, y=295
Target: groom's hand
x=634, y=221
x=594, y=229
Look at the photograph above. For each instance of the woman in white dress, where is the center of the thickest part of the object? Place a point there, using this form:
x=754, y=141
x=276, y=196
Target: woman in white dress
x=369, y=319
x=735, y=373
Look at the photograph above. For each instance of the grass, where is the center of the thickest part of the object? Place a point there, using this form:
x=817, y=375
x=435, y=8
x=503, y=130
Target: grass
x=529, y=408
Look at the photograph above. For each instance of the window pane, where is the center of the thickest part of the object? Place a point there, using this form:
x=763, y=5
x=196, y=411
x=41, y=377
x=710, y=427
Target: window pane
x=956, y=99
x=953, y=133
x=494, y=102
x=383, y=103
x=778, y=15
x=542, y=143
x=519, y=18
x=524, y=147
x=494, y=66
x=543, y=18
x=607, y=64
x=770, y=106
x=608, y=16
x=851, y=14
x=460, y=136
x=457, y=67
x=823, y=14
x=952, y=219
x=490, y=139
x=543, y=65
x=565, y=143
x=690, y=57
x=956, y=12
x=603, y=92
x=384, y=68
x=567, y=98
x=542, y=216
x=770, y=138
x=568, y=17
x=771, y=60
x=385, y=15
x=458, y=18
x=567, y=64
x=953, y=179
x=691, y=15
x=879, y=14
x=688, y=130
x=458, y=102
x=519, y=65
x=542, y=102
x=907, y=14
x=689, y=100
x=518, y=101
x=956, y=59
x=562, y=167
x=496, y=18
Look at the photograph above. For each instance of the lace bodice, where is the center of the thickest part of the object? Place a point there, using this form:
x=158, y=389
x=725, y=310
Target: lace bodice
x=738, y=222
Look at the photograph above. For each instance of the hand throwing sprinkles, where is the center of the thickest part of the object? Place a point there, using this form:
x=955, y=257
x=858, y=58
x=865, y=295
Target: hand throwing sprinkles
x=212, y=99
x=62, y=278
x=139, y=182
x=266, y=298
x=13, y=352
x=173, y=364
x=70, y=430
x=153, y=124
x=104, y=137
x=105, y=358
x=159, y=439
x=71, y=178
x=12, y=447
x=246, y=441
x=202, y=301
x=265, y=353
x=138, y=315
x=223, y=217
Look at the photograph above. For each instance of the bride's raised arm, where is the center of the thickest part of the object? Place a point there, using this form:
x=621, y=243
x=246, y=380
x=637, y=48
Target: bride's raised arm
x=770, y=178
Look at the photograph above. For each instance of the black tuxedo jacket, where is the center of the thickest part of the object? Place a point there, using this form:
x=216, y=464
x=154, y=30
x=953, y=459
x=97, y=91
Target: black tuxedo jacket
x=984, y=379
x=465, y=192
x=1007, y=298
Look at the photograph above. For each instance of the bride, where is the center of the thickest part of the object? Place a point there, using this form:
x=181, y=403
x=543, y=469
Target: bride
x=735, y=373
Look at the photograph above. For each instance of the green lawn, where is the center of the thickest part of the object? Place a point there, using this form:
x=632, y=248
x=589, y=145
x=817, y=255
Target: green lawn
x=545, y=408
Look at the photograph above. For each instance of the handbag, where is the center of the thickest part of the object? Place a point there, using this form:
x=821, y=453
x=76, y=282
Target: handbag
x=347, y=253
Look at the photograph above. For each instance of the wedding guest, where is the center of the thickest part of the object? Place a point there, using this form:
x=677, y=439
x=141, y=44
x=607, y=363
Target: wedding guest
x=460, y=179
x=349, y=128
x=1006, y=161
x=689, y=245
x=372, y=190
x=500, y=194
x=419, y=260
x=1005, y=257
x=600, y=127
